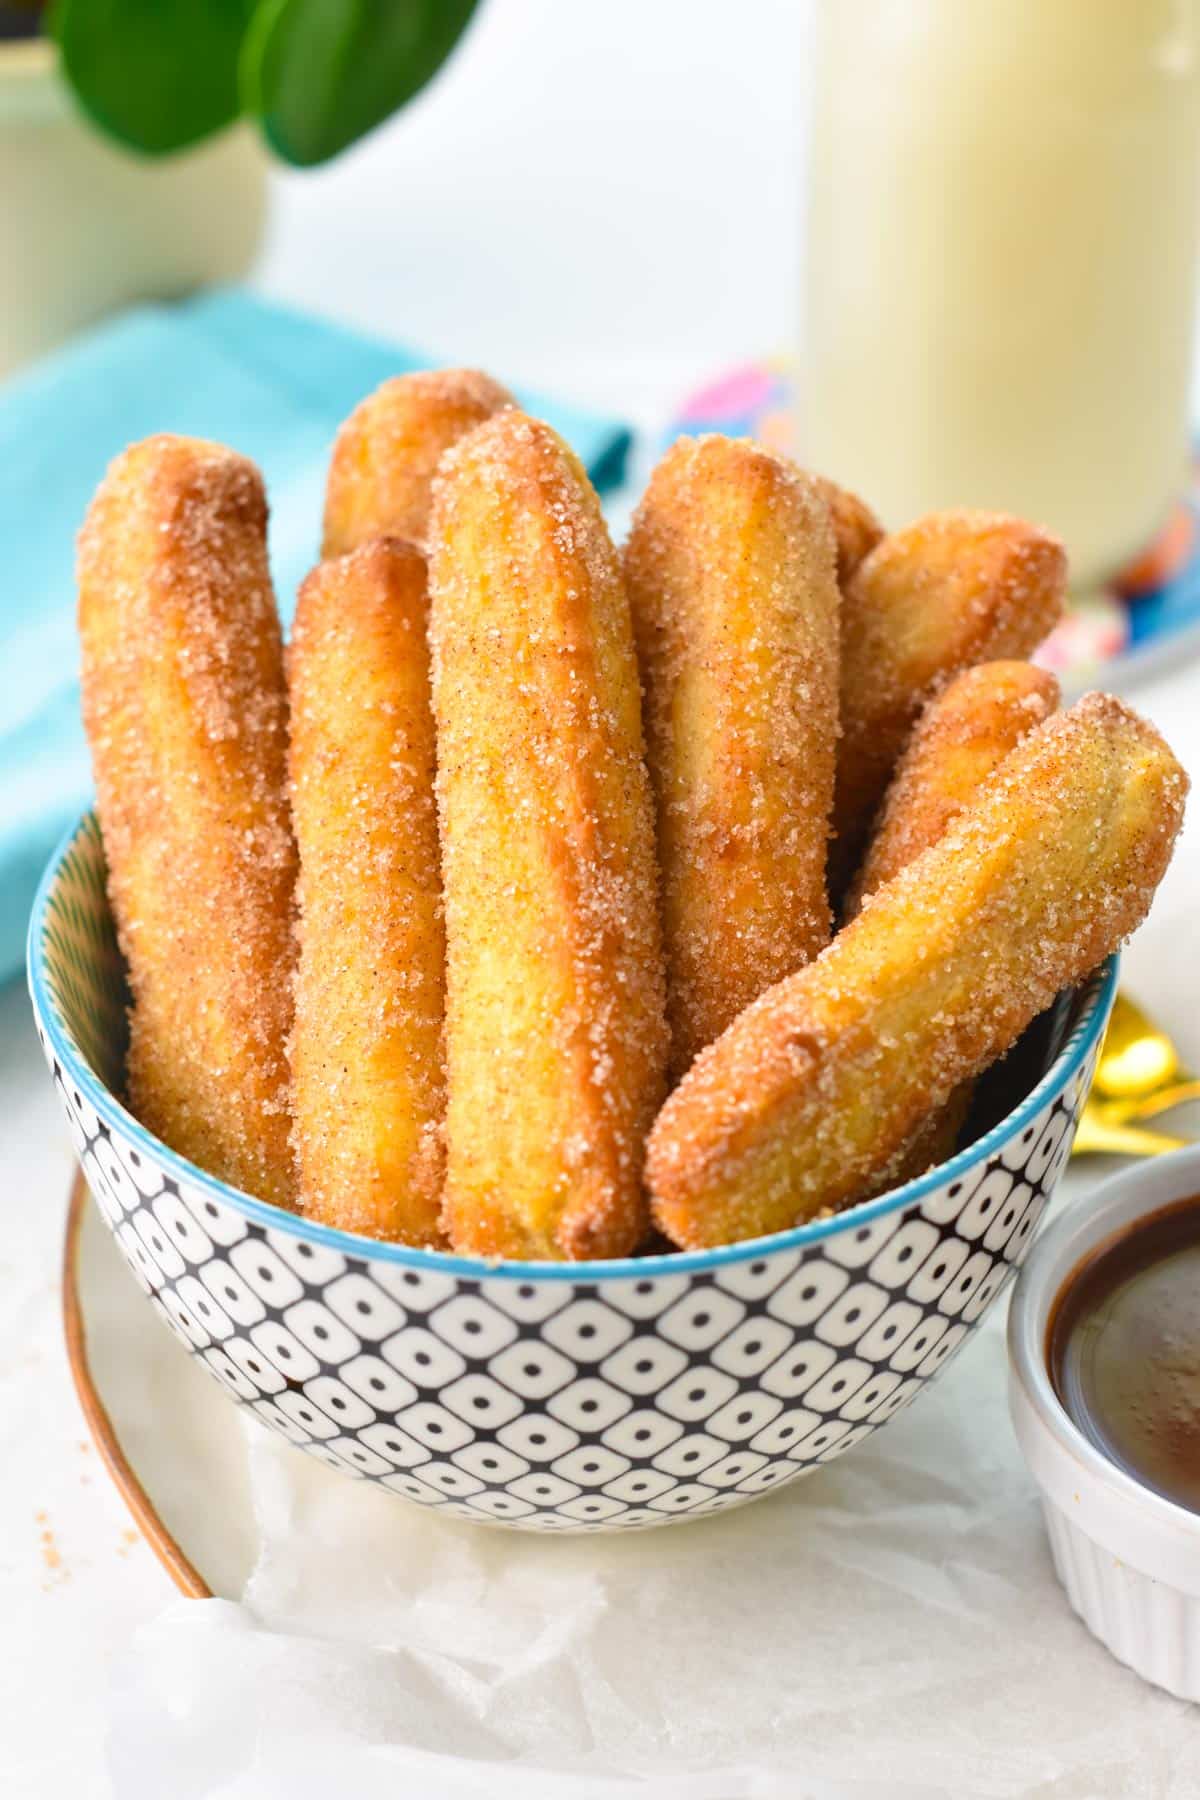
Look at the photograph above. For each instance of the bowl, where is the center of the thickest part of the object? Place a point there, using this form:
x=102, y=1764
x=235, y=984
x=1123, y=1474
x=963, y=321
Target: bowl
x=556, y=1397
x=1128, y=1558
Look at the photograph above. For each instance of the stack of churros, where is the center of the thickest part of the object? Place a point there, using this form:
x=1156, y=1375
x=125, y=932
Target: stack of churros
x=552, y=902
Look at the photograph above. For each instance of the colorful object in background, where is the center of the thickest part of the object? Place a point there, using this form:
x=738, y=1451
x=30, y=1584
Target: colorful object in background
x=1093, y=633
x=752, y=401
x=1150, y=613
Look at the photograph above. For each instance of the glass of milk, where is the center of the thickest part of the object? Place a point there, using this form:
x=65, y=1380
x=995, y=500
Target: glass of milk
x=1001, y=261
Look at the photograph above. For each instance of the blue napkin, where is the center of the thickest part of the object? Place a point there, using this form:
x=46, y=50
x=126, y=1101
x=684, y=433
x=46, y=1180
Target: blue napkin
x=225, y=365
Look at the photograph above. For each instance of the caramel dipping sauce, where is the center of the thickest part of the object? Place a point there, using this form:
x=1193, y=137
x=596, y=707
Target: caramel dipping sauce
x=1123, y=1349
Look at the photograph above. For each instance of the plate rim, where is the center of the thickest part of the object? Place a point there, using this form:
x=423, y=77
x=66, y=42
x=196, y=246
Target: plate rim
x=166, y=1547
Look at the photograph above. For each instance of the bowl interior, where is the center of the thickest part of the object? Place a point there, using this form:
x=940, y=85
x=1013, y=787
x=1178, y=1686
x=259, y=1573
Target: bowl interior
x=77, y=977
x=73, y=945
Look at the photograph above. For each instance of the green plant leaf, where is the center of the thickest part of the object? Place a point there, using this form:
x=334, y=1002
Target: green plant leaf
x=321, y=73
x=155, y=74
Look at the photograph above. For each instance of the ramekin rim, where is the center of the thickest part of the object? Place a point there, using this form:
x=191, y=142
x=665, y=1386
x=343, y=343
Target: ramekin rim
x=1026, y=1328
x=1082, y=1037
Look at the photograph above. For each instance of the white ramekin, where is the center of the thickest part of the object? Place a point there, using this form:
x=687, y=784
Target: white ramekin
x=1128, y=1559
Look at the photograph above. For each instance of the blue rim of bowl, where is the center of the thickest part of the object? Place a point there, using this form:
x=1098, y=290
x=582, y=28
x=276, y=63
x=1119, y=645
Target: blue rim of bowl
x=1071, y=1057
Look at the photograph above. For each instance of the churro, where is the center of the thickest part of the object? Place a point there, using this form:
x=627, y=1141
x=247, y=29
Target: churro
x=815, y=1089
x=184, y=705
x=934, y=1142
x=366, y=1048
x=856, y=530
x=730, y=571
x=556, y=1038
x=387, y=451
x=954, y=589
x=964, y=733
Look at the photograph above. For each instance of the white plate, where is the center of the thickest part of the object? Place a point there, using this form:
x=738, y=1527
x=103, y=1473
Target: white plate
x=172, y=1443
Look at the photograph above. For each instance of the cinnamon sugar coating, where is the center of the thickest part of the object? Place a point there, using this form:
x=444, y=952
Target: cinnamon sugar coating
x=856, y=530
x=366, y=1047
x=956, y=588
x=556, y=1038
x=386, y=453
x=934, y=1142
x=964, y=733
x=730, y=572
x=185, y=711
x=814, y=1091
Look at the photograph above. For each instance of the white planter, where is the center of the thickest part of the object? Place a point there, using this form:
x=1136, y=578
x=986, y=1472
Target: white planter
x=86, y=227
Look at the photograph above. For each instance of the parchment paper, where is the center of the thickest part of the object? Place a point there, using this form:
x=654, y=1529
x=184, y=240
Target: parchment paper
x=890, y=1626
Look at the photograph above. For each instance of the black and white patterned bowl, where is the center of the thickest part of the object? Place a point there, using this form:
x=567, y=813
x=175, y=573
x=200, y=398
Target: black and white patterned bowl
x=543, y=1396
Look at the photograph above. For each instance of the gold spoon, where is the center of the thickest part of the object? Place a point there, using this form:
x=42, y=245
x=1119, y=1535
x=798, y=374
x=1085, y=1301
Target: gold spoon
x=1139, y=1074
x=1109, y=1137
x=1138, y=1057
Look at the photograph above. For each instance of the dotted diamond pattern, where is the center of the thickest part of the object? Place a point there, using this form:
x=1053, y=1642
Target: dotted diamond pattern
x=576, y=1405
x=553, y=1404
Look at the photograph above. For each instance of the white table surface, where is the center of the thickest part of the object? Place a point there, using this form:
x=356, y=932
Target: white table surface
x=591, y=199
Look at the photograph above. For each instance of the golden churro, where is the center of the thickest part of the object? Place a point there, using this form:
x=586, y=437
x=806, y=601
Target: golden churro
x=856, y=530
x=812, y=1093
x=556, y=1038
x=954, y=589
x=730, y=571
x=934, y=1141
x=366, y=1047
x=964, y=733
x=184, y=705
x=387, y=451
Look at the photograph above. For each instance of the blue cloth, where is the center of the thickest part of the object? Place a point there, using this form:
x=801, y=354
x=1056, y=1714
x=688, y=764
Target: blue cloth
x=225, y=365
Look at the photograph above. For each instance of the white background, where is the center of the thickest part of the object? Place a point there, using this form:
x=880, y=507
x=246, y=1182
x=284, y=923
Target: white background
x=598, y=195
x=601, y=198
